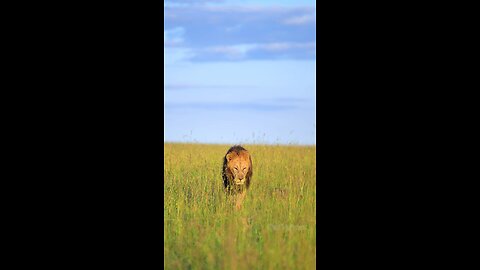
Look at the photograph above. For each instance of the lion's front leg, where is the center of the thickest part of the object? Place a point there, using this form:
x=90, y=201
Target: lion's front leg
x=240, y=198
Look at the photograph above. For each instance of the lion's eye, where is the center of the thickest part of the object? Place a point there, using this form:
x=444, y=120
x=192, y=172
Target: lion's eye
x=236, y=168
x=244, y=168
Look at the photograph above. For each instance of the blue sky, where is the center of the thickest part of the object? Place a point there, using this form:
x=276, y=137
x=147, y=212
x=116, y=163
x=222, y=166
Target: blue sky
x=240, y=71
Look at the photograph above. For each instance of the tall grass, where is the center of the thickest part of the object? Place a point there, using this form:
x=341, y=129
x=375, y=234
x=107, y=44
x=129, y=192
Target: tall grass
x=276, y=227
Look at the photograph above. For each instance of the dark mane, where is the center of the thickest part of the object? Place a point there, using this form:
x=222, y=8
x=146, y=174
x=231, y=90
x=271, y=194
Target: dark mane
x=236, y=148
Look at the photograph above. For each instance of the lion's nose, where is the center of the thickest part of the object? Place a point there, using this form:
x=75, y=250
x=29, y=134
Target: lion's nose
x=240, y=177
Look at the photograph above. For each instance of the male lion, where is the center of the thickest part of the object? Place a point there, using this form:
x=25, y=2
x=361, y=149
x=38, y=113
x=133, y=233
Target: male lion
x=237, y=172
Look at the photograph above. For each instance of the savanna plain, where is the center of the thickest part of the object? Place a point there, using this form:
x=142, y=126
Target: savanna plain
x=274, y=229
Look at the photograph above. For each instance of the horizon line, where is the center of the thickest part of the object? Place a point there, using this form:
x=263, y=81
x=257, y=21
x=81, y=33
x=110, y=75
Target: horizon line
x=240, y=143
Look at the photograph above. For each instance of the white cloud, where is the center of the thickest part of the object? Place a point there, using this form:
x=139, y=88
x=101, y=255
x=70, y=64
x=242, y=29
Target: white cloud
x=187, y=3
x=232, y=52
x=283, y=46
x=301, y=20
x=242, y=51
x=173, y=36
x=174, y=56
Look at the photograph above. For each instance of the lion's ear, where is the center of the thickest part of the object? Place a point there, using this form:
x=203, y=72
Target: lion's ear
x=229, y=156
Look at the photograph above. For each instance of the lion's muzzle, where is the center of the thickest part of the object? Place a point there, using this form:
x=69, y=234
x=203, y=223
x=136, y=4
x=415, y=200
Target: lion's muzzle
x=239, y=181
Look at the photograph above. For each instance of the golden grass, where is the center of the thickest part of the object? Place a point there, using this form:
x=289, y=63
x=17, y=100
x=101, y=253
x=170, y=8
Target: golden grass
x=276, y=227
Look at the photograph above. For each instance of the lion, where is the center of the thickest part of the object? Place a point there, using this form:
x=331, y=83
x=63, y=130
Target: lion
x=237, y=172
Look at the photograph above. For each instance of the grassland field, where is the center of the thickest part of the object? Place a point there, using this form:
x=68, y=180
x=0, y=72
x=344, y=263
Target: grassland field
x=274, y=229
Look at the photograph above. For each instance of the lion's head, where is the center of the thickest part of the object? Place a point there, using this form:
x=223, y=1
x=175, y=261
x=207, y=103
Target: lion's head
x=237, y=168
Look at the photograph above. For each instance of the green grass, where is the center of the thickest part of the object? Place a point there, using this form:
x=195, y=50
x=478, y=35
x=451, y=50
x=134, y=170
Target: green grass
x=276, y=227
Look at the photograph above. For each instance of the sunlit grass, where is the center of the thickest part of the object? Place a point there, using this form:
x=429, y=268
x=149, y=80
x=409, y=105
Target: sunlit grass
x=276, y=227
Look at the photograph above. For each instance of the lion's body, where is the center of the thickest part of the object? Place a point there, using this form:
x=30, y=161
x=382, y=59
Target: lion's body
x=237, y=171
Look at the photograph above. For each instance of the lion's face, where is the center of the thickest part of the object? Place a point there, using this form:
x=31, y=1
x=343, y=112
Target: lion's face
x=239, y=165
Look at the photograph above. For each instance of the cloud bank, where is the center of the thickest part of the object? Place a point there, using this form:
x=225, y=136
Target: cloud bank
x=236, y=33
